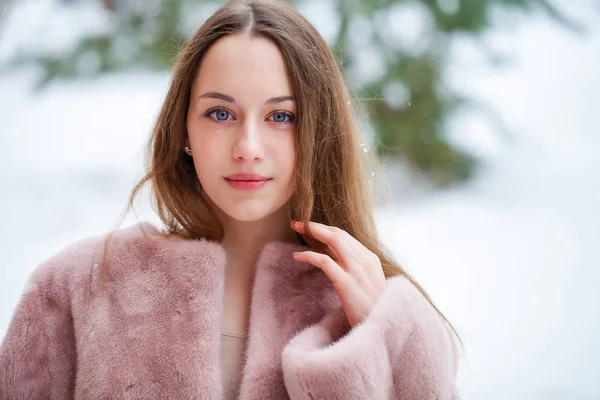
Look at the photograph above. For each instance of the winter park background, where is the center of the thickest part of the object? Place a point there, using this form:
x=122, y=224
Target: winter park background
x=510, y=255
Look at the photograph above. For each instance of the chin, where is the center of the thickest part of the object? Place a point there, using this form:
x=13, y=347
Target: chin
x=246, y=210
x=247, y=213
x=248, y=216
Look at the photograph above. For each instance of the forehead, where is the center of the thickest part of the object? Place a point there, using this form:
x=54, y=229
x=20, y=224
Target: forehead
x=242, y=66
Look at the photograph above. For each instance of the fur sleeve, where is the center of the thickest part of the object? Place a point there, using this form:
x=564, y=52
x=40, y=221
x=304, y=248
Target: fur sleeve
x=402, y=350
x=38, y=355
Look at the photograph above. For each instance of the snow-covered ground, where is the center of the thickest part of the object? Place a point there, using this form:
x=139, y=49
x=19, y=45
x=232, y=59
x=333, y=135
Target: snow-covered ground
x=511, y=258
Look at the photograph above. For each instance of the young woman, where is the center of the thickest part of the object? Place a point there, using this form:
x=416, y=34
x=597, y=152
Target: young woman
x=267, y=280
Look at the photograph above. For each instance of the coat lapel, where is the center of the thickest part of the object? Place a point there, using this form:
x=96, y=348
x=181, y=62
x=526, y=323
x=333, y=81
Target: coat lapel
x=287, y=296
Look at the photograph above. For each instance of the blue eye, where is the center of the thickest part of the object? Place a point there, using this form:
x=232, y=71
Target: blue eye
x=280, y=117
x=219, y=114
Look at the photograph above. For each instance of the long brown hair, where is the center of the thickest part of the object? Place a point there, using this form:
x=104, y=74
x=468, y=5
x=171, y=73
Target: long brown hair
x=332, y=186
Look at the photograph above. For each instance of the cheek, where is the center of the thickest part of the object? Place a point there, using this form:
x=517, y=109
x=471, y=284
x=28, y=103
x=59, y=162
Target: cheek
x=207, y=154
x=287, y=160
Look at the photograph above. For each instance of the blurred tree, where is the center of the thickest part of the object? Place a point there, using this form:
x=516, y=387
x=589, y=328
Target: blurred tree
x=412, y=102
x=406, y=41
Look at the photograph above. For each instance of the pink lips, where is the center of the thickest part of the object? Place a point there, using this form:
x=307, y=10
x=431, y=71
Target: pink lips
x=247, y=181
x=246, y=177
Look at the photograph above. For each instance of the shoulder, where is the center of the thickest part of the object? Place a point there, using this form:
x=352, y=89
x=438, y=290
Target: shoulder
x=83, y=253
x=134, y=248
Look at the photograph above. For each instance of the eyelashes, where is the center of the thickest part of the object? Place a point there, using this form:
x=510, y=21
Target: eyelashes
x=284, y=114
x=222, y=114
x=220, y=111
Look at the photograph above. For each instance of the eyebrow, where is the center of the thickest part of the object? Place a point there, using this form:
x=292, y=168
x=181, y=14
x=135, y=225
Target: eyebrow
x=229, y=99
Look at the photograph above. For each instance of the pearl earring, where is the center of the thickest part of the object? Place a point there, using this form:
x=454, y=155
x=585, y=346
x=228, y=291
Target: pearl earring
x=187, y=149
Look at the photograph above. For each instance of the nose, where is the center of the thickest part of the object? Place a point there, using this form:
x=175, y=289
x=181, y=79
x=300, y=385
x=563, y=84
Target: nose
x=248, y=145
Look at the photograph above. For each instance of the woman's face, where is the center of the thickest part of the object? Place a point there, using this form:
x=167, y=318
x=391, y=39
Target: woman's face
x=241, y=120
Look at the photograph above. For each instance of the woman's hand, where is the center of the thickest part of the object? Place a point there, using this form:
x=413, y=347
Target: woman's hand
x=353, y=269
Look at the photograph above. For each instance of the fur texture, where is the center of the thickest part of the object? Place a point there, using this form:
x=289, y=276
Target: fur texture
x=153, y=333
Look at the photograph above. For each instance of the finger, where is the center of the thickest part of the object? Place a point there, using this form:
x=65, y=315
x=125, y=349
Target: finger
x=333, y=270
x=299, y=227
x=354, y=243
x=335, y=239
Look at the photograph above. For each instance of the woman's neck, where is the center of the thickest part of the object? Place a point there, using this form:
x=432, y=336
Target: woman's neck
x=243, y=241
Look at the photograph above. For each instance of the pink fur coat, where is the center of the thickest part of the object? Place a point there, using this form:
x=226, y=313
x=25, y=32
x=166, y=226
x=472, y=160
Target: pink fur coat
x=154, y=332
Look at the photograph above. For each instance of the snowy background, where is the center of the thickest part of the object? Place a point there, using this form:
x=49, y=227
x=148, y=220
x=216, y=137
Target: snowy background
x=511, y=258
